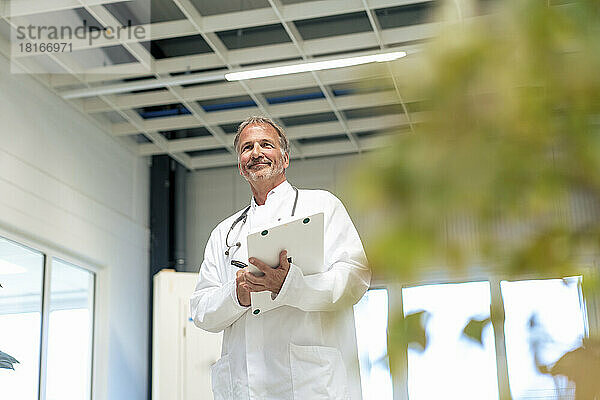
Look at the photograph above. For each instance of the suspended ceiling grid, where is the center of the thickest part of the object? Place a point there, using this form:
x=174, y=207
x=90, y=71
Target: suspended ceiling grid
x=339, y=111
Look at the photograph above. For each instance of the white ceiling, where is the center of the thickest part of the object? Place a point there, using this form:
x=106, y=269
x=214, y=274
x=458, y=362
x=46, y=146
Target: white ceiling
x=330, y=112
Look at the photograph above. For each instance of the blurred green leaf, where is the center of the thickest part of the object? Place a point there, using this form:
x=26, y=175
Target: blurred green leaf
x=501, y=164
x=581, y=366
x=410, y=330
x=474, y=329
x=416, y=335
x=504, y=149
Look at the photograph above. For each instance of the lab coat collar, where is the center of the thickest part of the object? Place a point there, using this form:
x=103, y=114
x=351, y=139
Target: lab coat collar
x=275, y=193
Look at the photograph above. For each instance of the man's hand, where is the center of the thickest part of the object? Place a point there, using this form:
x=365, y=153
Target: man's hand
x=241, y=288
x=273, y=277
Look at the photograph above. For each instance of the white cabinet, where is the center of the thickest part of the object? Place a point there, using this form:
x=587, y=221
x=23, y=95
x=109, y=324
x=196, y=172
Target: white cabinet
x=181, y=353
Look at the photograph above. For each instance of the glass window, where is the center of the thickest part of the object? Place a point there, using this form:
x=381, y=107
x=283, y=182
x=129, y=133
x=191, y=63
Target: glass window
x=543, y=318
x=452, y=366
x=371, y=319
x=21, y=277
x=70, y=332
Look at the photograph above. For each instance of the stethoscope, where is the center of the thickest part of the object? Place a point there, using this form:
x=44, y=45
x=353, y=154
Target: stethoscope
x=244, y=216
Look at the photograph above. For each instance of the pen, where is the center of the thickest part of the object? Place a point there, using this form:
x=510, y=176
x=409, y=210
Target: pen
x=240, y=264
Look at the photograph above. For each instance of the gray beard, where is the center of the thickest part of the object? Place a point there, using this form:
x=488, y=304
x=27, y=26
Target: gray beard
x=274, y=171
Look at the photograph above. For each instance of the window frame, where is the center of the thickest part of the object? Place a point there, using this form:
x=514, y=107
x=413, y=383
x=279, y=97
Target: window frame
x=591, y=314
x=50, y=253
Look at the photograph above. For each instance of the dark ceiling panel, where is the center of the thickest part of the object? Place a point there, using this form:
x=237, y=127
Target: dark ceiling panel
x=214, y=7
x=144, y=11
x=91, y=22
x=293, y=95
x=197, y=71
x=367, y=112
x=323, y=139
x=186, y=133
x=163, y=11
x=180, y=46
x=346, y=53
x=308, y=119
x=412, y=14
x=226, y=103
x=209, y=152
x=162, y=111
x=286, y=2
x=362, y=87
x=134, y=12
x=386, y=132
x=139, y=138
x=254, y=36
x=99, y=57
x=334, y=25
x=230, y=128
x=266, y=63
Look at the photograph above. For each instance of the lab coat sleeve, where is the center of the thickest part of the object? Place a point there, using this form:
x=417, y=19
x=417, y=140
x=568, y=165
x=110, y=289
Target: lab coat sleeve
x=347, y=277
x=214, y=305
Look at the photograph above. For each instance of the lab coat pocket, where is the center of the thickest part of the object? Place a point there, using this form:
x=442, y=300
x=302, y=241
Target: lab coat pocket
x=220, y=374
x=318, y=372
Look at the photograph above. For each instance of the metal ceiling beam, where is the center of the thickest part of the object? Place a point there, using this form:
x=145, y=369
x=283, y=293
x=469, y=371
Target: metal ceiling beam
x=377, y=30
x=188, y=144
x=213, y=23
x=145, y=59
x=381, y=123
x=128, y=115
x=275, y=111
x=143, y=55
x=361, y=73
x=352, y=42
x=69, y=65
x=285, y=14
x=314, y=150
x=231, y=89
x=217, y=46
x=105, y=18
x=21, y=8
x=297, y=40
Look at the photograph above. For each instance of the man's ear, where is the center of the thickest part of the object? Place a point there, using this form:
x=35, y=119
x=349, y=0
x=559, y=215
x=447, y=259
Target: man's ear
x=286, y=161
x=240, y=168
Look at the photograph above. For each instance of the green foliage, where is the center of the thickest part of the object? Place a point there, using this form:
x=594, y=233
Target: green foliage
x=503, y=167
x=510, y=141
x=581, y=366
x=409, y=331
x=474, y=329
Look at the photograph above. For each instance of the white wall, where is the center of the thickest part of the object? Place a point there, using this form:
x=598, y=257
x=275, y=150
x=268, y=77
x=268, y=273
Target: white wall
x=214, y=194
x=66, y=184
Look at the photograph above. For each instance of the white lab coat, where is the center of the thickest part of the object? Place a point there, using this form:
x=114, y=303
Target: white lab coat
x=304, y=346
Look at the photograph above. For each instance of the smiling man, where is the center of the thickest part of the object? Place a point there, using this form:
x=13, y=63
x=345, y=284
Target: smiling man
x=304, y=345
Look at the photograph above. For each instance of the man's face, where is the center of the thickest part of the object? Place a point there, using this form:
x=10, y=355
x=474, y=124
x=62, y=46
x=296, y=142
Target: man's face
x=260, y=153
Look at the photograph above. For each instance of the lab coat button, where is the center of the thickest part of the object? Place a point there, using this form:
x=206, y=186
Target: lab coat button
x=255, y=312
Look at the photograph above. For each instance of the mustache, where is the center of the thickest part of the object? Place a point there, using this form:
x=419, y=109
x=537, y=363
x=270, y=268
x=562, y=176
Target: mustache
x=252, y=163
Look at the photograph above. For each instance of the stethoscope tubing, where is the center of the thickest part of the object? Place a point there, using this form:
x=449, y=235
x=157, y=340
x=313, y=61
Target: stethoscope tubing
x=244, y=216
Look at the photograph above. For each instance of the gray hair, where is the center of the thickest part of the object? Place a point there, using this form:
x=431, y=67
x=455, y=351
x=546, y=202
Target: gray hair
x=283, y=140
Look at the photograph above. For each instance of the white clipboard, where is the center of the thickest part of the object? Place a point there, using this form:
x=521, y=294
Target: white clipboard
x=302, y=238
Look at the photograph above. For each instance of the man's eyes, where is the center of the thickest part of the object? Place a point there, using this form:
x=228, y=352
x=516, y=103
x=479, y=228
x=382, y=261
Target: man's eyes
x=249, y=146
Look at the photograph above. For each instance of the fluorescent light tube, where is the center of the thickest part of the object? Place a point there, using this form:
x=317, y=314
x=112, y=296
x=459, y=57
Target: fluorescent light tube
x=313, y=66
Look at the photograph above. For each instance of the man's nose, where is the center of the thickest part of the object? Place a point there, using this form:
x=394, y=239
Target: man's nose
x=256, y=150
